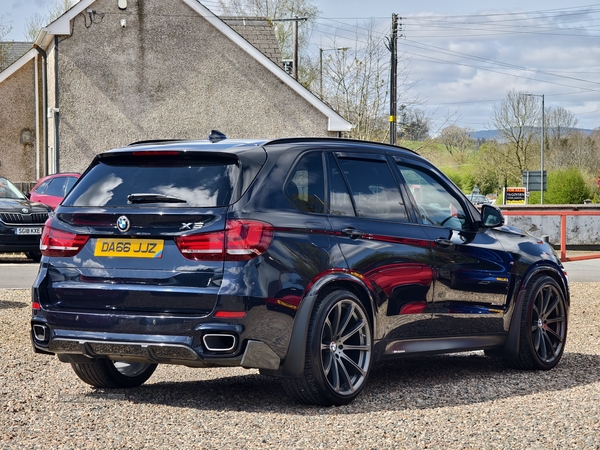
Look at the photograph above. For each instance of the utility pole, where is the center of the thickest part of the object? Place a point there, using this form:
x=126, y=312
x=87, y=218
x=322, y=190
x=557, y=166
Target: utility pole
x=296, y=19
x=392, y=47
x=295, y=50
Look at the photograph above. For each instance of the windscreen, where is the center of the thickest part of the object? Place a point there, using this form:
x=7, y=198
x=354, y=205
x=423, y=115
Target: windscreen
x=149, y=180
x=8, y=190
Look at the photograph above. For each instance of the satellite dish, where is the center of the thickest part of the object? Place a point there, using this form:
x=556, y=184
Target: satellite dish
x=122, y=4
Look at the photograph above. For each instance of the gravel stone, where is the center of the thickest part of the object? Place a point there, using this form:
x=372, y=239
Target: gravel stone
x=463, y=401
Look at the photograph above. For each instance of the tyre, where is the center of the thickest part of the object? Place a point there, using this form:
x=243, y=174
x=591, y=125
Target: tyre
x=338, y=353
x=105, y=373
x=543, y=327
x=35, y=256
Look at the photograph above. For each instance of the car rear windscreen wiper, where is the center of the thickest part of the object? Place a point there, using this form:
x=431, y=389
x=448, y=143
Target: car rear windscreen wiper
x=154, y=198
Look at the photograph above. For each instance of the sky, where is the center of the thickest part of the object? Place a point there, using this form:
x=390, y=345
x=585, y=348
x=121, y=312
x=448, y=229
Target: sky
x=460, y=58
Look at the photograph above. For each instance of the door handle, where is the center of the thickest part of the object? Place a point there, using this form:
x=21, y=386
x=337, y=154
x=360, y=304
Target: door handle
x=352, y=232
x=442, y=242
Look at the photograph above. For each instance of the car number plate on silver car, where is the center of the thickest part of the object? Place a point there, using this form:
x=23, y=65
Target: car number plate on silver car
x=35, y=230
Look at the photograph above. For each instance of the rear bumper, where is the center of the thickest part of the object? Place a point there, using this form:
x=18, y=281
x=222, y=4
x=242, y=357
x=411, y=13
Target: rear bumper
x=78, y=346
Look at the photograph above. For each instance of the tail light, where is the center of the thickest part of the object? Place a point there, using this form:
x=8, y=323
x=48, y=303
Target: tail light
x=60, y=243
x=242, y=240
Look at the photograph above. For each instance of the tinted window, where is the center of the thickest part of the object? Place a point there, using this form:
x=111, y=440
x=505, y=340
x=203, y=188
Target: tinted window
x=437, y=206
x=340, y=203
x=191, y=181
x=56, y=187
x=373, y=189
x=306, y=185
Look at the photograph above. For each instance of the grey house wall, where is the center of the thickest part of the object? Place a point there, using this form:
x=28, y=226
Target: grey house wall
x=17, y=125
x=167, y=74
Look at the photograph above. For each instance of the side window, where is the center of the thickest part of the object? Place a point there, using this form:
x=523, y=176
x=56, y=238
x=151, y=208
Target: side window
x=340, y=203
x=436, y=205
x=56, y=187
x=374, y=189
x=306, y=185
x=42, y=188
x=70, y=182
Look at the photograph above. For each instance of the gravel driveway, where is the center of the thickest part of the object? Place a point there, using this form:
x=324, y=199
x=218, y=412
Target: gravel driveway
x=460, y=401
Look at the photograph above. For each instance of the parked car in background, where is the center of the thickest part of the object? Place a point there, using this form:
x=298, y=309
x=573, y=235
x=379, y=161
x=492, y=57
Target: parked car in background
x=478, y=199
x=21, y=221
x=50, y=190
x=306, y=258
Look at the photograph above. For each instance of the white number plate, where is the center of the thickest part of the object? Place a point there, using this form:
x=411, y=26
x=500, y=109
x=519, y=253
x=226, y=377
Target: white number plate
x=36, y=230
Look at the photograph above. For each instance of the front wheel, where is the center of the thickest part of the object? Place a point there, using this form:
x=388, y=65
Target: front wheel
x=105, y=373
x=338, y=353
x=543, y=326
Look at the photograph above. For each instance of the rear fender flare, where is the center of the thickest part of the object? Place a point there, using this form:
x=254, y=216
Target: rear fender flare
x=293, y=363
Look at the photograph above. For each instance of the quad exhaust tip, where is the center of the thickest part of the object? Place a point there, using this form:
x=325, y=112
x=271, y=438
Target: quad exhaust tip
x=219, y=342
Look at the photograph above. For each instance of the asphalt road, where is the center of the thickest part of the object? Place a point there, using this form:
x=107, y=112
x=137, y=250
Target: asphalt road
x=19, y=273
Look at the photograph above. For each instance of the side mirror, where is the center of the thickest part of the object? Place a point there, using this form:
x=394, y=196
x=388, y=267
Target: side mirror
x=491, y=216
x=28, y=195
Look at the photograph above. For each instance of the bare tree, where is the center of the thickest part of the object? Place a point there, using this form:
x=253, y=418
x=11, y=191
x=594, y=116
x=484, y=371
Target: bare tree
x=355, y=85
x=515, y=119
x=276, y=10
x=457, y=142
x=560, y=125
x=582, y=154
x=416, y=126
x=4, y=46
x=35, y=23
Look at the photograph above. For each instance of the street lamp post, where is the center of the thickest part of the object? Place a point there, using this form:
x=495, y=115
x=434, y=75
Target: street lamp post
x=542, y=147
x=321, y=50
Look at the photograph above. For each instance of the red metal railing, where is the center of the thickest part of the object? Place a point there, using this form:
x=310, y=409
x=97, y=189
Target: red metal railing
x=563, y=228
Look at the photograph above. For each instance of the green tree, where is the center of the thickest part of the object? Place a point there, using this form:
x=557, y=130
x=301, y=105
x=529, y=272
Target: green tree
x=566, y=187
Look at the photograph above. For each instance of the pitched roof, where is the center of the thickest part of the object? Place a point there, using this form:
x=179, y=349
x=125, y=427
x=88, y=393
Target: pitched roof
x=62, y=26
x=259, y=32
x=14, y=50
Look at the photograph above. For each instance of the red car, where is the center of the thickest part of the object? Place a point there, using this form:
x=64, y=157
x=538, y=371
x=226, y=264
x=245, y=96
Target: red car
x=51, y=189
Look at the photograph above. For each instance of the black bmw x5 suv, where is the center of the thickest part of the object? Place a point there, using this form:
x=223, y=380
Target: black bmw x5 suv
x=307, y=258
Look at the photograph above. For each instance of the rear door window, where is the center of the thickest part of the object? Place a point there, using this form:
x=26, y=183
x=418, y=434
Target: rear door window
x=306, y=185
x=373, y=189
x=195, y=181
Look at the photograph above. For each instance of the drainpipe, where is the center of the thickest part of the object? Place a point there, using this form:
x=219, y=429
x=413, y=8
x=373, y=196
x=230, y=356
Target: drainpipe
x=37, y=117
x=56, y=109
x=44, y=106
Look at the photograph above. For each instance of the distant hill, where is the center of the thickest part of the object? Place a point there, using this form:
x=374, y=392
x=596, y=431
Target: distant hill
x=495, y=134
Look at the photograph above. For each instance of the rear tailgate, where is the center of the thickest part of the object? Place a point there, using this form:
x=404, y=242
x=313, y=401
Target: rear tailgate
x=128, y=213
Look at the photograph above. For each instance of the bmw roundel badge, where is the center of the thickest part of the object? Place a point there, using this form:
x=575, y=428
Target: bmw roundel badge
x=123, y=223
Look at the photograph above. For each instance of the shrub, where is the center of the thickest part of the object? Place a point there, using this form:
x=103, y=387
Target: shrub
x=566, y=187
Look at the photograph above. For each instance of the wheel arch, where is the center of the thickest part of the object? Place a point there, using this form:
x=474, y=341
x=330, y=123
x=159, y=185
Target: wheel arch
x=293, y=363
x=511, y=346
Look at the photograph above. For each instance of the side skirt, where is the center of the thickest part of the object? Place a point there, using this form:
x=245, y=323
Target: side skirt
x=390, y=349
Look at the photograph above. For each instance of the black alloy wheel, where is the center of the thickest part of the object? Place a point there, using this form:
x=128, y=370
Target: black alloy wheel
x=338, y=354
x=543, y=326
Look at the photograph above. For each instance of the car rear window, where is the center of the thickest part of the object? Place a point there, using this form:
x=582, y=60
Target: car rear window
x=150, y=180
